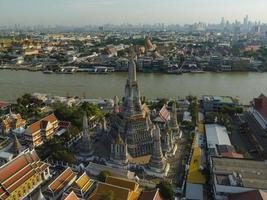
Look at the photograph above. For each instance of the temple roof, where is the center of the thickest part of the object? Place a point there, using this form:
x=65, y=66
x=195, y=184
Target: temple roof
x=18, y=171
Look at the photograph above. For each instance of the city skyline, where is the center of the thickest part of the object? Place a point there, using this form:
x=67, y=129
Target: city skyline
x=84, y=12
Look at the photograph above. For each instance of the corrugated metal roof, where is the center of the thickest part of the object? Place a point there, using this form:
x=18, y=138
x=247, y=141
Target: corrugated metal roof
x=216, y=135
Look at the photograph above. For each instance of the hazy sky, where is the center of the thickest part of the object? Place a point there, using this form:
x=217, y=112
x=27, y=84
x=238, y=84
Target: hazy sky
x=83, y=12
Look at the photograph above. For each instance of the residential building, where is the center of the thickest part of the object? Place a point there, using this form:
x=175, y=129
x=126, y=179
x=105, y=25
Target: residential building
x=22, y=175
x=41, y=130
x=233, y=175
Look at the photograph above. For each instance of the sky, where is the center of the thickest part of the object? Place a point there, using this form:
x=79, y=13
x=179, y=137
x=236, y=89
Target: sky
x=85, y=12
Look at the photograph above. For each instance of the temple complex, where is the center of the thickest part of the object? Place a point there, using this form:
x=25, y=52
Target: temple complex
x=135, y=138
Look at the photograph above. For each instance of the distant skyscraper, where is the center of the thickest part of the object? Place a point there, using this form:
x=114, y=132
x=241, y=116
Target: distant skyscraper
x=223, y=22
x=246, y=20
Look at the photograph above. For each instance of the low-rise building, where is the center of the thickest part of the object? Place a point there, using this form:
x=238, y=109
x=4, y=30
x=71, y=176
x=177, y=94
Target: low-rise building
x=259, y=110
x=22, y=175
x=122, y=189
x=11, y=122
x=60, y=184
x=151, y=195
x=216, y=103
x=41, y=130
x=82, y=187
x=216, y=135
x=232, y=175
x=5, y=157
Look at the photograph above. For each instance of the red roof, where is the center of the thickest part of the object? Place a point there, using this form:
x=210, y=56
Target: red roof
x=42, y=123
x=232, y=155
x=251, y=195
x=4, y=104
x=164, y=114
x=151, y=195
x=64, y=179
x=19, y=170
x=70, y=196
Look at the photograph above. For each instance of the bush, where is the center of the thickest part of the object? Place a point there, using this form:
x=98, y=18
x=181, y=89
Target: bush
x=103, y=175
x=107, y=196
x=166, y=190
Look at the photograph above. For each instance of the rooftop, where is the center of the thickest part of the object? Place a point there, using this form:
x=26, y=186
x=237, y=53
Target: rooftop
x=216, y=135
x=61, y=182
x=240, y=172
x=122, y=189
x=221, y=99
x=18, y=171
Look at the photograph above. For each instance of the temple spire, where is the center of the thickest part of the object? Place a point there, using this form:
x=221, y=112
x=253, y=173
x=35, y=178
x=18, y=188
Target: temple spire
x=85, y=123
x=116, y=104
x=132, y=71
x=16, y=148
x=173, y=118
x=157, y=161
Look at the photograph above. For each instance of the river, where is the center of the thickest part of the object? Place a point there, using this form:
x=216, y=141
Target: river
x=245, y=85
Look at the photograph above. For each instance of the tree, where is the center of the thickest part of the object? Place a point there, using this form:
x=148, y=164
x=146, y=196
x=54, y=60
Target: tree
x=166, y=189
x=107, y=196
x=103, y=175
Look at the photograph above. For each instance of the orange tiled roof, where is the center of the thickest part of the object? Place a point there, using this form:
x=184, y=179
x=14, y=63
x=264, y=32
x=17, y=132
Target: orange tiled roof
x=18, y=171
x=37, y=125
x=125, y=183
x=70, y=196
x=4, y=104
x=232, y=155
x=120, y=193
x=151, y=195
x=64, y=179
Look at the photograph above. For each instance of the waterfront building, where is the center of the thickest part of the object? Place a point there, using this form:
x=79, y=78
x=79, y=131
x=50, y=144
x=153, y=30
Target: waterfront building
x=22, y=175
x=216, y=103
x=41, y=130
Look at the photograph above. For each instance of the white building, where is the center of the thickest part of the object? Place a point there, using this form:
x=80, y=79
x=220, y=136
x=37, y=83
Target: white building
x=216, y=135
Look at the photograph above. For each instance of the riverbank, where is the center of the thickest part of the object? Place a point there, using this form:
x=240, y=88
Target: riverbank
x=245, y=85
